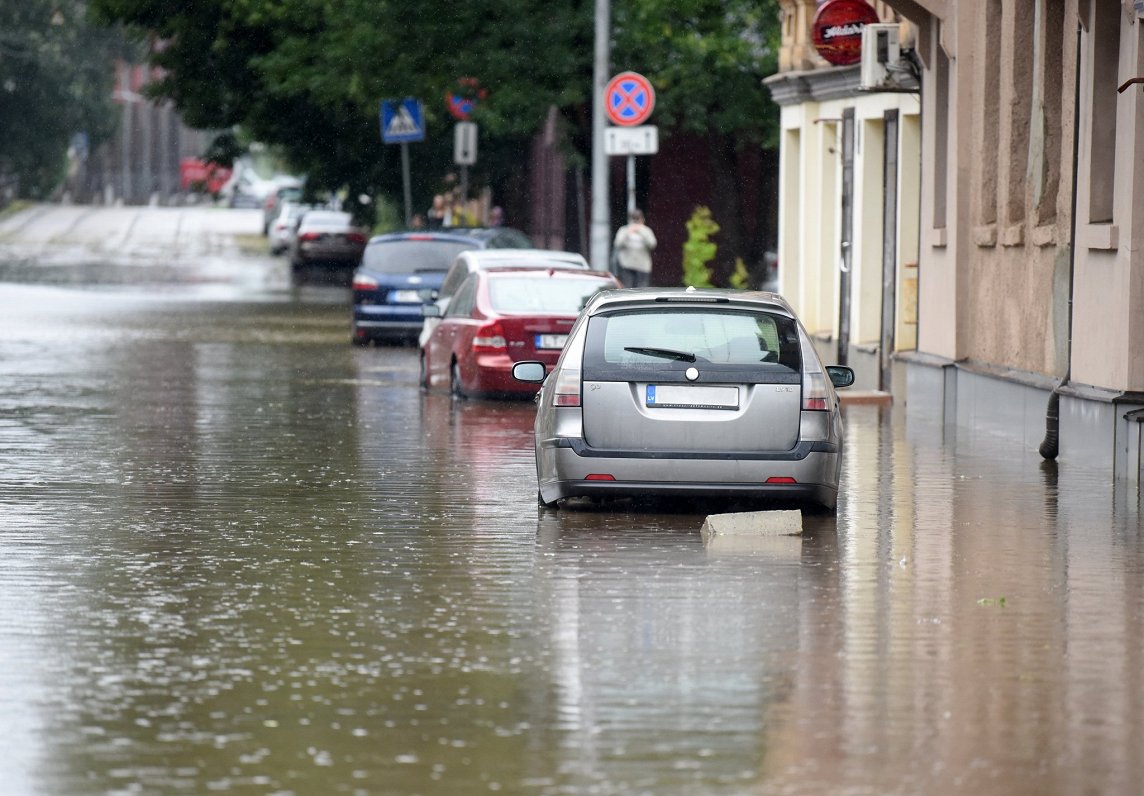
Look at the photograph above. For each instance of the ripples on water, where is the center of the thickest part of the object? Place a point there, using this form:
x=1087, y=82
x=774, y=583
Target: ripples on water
x=243, y=556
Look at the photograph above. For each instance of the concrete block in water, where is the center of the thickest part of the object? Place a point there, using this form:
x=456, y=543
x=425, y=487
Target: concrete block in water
x=753, y=523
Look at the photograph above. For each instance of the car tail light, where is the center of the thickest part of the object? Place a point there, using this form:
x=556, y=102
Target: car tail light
x=599, y=477
x=781, y=479
x=816, y=390
x=363, y=282
x=566, y=391
x=308, y=236
x=489, y=338
x=566, y=388
x=355, y=237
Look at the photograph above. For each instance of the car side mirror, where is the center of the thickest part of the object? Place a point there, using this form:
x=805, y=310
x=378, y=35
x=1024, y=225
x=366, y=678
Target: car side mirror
x=840, y=375
x=430, y=311
x=529, y=372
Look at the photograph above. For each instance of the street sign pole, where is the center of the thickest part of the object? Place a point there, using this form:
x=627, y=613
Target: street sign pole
x=405, y=184
x=631, y=183
x=403, y=121
x=600, y=227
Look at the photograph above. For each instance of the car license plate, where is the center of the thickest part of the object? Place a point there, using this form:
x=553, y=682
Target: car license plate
x=551, y=340
x=406, y=297
x=675, y=396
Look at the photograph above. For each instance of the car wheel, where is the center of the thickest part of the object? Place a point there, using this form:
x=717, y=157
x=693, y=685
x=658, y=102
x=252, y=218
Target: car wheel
x=455, y=387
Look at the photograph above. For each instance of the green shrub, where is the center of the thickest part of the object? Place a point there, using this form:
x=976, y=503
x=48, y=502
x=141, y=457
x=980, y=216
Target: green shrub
x=698, y=251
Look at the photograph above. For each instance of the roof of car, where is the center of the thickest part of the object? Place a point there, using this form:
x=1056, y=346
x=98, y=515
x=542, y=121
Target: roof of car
x=327, y=216
x=489, y=257
x=688, y=296
x=533, y=271
x=458, y=234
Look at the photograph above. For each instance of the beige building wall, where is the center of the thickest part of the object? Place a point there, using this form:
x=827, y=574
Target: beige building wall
x=810, y=210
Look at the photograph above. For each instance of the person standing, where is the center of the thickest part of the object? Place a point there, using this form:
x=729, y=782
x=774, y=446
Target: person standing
x=633, y=246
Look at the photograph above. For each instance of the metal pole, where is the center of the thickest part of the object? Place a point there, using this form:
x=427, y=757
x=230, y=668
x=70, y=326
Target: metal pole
x=601, y=221
x=631, y=183
x=405, y=184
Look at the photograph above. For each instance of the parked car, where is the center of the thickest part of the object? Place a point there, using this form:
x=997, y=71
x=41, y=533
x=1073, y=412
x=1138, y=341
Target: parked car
x=500, y=316
x=287, y=189
x=285, y=224
x=468, y=262
x=246, y=188
x=401, y=271
x=708, y=392
x=327, y=238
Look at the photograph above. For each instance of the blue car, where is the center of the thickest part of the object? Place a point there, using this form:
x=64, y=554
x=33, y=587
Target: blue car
x=402, y=271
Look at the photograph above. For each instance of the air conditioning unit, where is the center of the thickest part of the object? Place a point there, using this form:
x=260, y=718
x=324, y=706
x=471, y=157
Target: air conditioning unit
x=881, y=57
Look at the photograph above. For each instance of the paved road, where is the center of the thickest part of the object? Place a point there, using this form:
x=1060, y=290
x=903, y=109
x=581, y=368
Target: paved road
x=91, y=244
x=240, y=555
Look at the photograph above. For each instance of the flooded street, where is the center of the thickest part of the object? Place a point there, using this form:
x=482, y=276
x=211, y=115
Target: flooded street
x=243, y=556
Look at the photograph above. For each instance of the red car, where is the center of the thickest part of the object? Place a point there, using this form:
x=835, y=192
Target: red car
x=504, y=315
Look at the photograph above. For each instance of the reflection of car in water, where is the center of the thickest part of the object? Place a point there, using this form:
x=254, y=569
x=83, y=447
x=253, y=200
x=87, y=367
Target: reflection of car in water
x=402, y=271
x=688, y=392
x=504, y=315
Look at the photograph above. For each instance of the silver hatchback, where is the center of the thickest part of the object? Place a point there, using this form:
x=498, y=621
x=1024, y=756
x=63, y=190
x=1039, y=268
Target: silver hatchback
x=688, y=392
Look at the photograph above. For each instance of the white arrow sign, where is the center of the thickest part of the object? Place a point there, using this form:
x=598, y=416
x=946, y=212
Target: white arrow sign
x=641, y=140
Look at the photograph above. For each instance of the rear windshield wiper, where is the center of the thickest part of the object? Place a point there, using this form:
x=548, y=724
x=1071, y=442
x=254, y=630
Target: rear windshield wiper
x=666, y=353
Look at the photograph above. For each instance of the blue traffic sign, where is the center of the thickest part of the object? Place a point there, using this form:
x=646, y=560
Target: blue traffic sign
x=402, y=121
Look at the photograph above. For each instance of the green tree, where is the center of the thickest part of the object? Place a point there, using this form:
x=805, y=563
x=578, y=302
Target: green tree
x=306, y=77
x=56, y=76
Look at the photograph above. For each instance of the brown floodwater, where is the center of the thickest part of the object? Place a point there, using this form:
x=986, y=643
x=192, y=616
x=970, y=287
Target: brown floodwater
x=239, y=555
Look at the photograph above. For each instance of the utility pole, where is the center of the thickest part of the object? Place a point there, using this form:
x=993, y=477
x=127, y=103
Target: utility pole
x=601, y=226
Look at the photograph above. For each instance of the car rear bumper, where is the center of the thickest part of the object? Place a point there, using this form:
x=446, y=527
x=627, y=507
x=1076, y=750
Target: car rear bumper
x=387, y=320
x=565, y=464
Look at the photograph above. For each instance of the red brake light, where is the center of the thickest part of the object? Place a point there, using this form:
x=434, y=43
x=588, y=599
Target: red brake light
x=419, y=237
x=305, y=236
x=599, y=477
x=489, y=338
x=363, y=282
x=781, y=479
x=355, y=237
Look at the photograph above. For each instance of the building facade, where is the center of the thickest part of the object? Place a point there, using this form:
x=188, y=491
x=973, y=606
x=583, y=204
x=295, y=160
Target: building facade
x=1024, y=175
x=848, y=203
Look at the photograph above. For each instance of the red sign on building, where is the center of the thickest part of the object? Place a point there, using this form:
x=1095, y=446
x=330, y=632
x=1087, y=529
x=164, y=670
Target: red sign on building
x=837, y=30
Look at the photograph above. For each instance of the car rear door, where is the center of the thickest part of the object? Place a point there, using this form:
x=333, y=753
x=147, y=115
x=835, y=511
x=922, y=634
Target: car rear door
x=698, y=379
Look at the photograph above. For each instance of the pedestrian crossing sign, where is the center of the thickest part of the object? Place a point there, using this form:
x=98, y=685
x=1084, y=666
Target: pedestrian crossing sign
x=402, y=121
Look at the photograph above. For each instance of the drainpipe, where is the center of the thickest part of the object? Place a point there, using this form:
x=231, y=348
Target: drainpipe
x=1050, y=445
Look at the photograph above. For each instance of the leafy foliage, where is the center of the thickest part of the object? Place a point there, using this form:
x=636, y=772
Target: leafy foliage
x=698, y=251
x=307, y=76
x=56, y=75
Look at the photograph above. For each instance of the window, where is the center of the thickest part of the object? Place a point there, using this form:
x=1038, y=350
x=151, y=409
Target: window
x=462, y=303
x=1104, y=46
x=649, y=339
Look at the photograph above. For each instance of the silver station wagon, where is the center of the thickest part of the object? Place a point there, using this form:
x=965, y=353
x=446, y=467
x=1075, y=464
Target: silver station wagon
x=706, y=392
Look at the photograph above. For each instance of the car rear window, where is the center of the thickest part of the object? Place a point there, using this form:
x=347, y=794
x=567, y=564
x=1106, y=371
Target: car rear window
x=647, y=338
x=546, y=295
x=326, y=219
x=411, y=256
